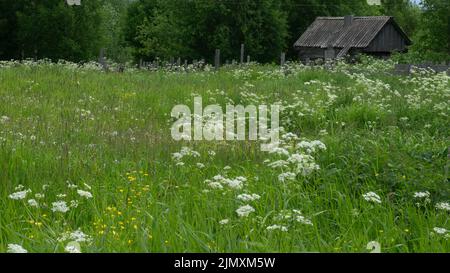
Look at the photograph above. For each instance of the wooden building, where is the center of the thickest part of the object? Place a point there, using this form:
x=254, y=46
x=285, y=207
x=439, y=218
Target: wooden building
x=335, y=37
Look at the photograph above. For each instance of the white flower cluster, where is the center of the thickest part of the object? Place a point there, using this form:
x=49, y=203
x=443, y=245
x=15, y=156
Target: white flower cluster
x=76, y=236
x=184, y=152
x=294, y=158
x=372, y=197
x=286, y=218
x=245, y=210
x=219, y=181
x=15, y=248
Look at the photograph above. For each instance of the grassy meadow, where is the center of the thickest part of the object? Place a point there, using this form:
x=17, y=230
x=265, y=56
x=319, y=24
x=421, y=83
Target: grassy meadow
x=87, y=161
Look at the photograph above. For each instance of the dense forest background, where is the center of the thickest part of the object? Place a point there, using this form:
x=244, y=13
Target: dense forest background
x=192, y=29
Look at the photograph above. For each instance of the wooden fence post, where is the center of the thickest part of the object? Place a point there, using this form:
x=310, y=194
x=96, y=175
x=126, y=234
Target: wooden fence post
x=242, y=53
x=101, y=59
x=248, y=58
x=217, y=59
x=282, y=58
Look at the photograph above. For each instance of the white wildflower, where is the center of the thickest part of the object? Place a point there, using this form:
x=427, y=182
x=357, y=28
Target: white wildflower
x=85, y=194
x=302, y=219
x=4, y=119
x=244, y=211
x=425, y=194
x=443, y=206
x=74, y=203
x=278, y=164
x=277, y=227
x=286, y=176
x=374, y=247
x=73, y=247
x=372, y=197
x=14, y=248
x=224, y=221
x=215, y=185
x=39, y=195
x=440, y=231
x=19, y=195
x=60, y=206
x=76, y=236
x=248, y=197
x=33, y=203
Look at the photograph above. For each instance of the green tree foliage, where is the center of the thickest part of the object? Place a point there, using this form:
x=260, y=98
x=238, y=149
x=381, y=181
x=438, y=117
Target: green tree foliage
x=194, y=29
x=433, y=38
x=54, y=30
x=406, y=14
x=113, y=20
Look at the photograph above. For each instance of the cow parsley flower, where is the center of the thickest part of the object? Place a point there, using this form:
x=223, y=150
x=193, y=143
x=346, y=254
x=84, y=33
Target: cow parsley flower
x=283, y=177
x=85, y=194
x=374, y=247
x=440, y=231
x=248, y=197
x=224, y=221
x=215, y=185
x=33, y=203
x=372, y=197
x=302, y=219
x=19, y=195
x=443, y=206
x=277, y=227
x=244, y=211
x=76, y=236
x=4, y=119
x=39, y=195
x=14, y=248
x=73, y=247
x=425, y=194
x=60, y=206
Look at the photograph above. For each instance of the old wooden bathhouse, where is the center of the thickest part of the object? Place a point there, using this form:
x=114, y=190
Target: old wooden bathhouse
x=335, y=37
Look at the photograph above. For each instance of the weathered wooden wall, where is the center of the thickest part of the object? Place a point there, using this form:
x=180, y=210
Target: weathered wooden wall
x=311, y=53
x=387, y=40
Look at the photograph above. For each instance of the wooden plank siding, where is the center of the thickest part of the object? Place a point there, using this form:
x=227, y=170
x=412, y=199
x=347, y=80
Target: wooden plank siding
x=387, y=40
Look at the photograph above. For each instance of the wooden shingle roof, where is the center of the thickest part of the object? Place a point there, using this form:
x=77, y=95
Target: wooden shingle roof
x=330, y=31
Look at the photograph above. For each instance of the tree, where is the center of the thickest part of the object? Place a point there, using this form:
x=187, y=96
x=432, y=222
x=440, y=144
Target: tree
x=194, y=29
x=433, y=39
x=50, y=29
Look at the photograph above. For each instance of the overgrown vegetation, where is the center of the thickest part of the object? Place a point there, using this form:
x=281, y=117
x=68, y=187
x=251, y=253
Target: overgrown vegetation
x=87, y=162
